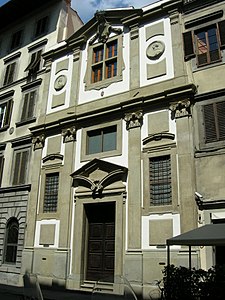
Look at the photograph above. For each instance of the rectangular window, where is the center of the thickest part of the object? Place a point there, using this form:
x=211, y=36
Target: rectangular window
x=9, y=73
x=1, y=168
x=101, y=140
x=51, y=192
x=214, y=121
x=5, y=113
x=20, y=166
x=28, y=106
x=35, y=62
x=16, y=40
x=205, y=44
x=160, y=180
x=41, y=26
x=104, y=61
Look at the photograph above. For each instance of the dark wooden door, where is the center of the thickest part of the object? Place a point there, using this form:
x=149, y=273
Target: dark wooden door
x=101, y=243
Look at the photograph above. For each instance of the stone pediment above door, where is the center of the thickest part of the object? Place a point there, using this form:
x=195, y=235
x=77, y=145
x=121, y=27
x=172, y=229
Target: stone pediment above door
x=98, y=177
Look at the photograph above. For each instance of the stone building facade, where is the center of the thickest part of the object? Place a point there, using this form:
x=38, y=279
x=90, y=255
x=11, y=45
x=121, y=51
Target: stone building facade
x=28, y=28
x=129, y=135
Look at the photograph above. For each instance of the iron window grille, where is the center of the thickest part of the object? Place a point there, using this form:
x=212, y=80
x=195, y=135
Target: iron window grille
x=51, y=192
x=160, y=180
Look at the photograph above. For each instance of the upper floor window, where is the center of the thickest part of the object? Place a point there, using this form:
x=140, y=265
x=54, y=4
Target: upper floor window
x=34, y=65
x=20, y=166
x=41, y=26
x=5, y=113
x=105, y=63
x=11, y=244
x=16, y=40
x=1, y=167
x=102, y=140
x=160, y=180
x=214, y=121
x=9, y=73
x=205, y=44
x=29, y=100
x=51, y=192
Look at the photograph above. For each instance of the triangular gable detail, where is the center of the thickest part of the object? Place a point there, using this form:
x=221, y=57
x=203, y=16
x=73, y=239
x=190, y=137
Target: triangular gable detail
x=113, y=173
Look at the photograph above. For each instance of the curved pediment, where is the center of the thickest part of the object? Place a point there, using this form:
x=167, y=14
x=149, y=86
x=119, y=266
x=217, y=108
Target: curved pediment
x=158, y=137
x=98, y=175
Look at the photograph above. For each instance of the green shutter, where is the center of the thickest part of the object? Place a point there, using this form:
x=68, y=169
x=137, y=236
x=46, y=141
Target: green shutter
x=188, y=45
x=221, y=26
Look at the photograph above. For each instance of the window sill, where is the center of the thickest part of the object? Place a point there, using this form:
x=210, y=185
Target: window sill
x=15, y=188
x=209, y=66
x=103, y=84
x=4, y=128
x=25, y=122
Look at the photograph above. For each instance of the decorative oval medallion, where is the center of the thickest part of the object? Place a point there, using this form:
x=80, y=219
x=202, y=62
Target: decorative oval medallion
x=60, y=82
x=155, y=50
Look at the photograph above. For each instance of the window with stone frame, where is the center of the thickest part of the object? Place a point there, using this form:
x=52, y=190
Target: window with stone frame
x=9, y=76
x=41, y=26
x=11, y=241
x=20, y=166
x=102, y=140
x=29, y=101
x=104, y=63
x=5, y=113
x=2, y=160
x=16, y=40
x=160, y=180
x=34, y=65
x=214, y=121
x=205, y=44
x=51, y=192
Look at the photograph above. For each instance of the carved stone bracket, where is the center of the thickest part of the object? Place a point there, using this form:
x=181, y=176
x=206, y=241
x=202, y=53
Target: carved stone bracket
x=134, y=119
x=38, y=142
x=104, y=29
x=180, y=109
x=76, y=54
x=69, y=134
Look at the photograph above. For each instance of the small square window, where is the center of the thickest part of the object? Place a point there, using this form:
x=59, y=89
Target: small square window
x=102, y=140
x=16, y=40
x=41, y=26
x=51, y=192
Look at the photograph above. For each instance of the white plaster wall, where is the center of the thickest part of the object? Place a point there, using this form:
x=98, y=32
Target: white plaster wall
x=112, y=89
x=168, y=55
x=145, y=228
x=38, y=230
x=66, y=88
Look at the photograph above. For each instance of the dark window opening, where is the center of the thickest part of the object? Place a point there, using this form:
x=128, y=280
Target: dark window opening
x=12, y=232
x=160, y=180
x=16, y=40
x=41, y=26
x=51, y=192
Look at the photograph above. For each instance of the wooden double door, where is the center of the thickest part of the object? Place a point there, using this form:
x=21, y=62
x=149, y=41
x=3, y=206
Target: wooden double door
x=101, y=241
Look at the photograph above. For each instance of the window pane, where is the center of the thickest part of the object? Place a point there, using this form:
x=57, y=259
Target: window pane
x=51, y=192
x=94, y=141
x=12, y=232
x=109, y=139
x=160, y=180
x=2, y=114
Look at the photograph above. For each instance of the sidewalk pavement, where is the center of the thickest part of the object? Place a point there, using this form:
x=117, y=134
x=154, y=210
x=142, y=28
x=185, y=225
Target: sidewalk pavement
x=8, y=292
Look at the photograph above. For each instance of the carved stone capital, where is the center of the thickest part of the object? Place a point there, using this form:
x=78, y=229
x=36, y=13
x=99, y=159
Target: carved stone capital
x=134, y=32
x=180, y=109
x=69, y=134
x=76, y=54
x=38, y=142
x=134, y=119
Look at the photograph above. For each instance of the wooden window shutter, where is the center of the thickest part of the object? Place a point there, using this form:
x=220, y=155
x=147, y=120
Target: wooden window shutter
x=210, y=126
x=8, y=113
x=2, y=159
x=23, y=167
x=221, y=26
x=16, y=168
x=220, y=106
x=30, y=112
x=25, y=106
x=188, y=45
x=20, y=167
